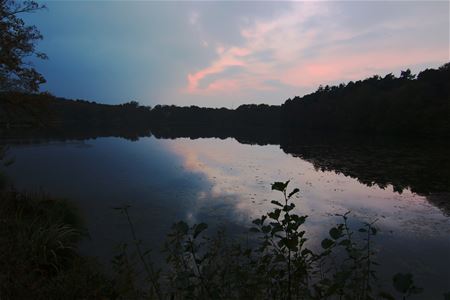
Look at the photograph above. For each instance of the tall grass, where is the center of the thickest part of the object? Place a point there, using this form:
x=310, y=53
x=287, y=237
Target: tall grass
x=38, y=249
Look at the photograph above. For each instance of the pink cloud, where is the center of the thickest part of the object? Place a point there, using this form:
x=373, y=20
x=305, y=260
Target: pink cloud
x=224, y=85
x=301, y=55
x=229, y=58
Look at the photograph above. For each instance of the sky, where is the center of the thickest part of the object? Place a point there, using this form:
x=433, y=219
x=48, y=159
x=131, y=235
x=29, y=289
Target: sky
x=224, y=54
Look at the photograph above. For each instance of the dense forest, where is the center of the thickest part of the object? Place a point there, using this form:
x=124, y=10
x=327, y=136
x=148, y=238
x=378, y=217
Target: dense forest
x=379, y=105
x=18, y=110
x=46, y=110
x=406, y=105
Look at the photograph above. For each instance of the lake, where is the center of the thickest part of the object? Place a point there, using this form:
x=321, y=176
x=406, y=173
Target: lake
x=226, y=182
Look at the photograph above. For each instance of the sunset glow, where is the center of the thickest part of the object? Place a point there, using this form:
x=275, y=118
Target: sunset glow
x=226, y=54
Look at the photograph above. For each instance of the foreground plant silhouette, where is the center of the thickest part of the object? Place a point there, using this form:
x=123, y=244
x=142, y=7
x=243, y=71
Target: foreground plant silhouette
x=40, y=259
x=275, y=264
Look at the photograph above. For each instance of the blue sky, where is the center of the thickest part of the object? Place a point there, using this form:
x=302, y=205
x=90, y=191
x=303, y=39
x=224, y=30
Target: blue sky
x=229, y=53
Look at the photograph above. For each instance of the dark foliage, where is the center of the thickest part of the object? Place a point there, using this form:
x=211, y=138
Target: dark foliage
x=261, y=115
x=377, y=105
x=277, y=264
x=39, y=258
x=18, y=42
x=59, y=116
x=404, y=106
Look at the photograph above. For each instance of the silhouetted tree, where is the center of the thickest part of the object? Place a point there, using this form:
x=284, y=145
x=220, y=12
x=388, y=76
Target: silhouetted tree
x=131, y=104
x=407, y=75
x=376, y=105
x=17, y=42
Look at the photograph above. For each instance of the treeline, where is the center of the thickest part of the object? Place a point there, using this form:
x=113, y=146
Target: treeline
x=389, y=105
x=407, y=105
x=245, y=115
x=45, y=110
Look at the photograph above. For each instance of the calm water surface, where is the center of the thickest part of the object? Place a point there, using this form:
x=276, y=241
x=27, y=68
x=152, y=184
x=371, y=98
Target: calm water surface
x=226, y=183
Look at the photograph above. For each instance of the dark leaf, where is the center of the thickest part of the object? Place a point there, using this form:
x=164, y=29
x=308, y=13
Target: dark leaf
x=182, y=227
x=291, y=243
x=327, y=243
x=295, y=191
x=276, y=228
x=199, y=228
x=306, y=252
x=276, y=203
x=289, y=207
x=335, y=233
x=257, y=222
x=275, y=214
x=266, y=229
x=280, y=186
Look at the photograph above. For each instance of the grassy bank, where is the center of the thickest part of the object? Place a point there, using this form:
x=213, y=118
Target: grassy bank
x=39, y=258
